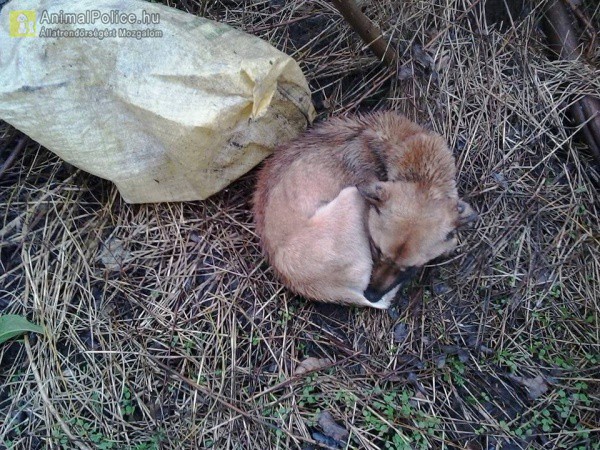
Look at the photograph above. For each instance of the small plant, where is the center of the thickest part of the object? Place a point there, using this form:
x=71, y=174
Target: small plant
x=455, y=371
x=556, y=290
x=126, y=402
x=346, y=397
x=189, y=345
x=386, y=415
x=153, y=444
x=309, y=395
x=546, y=421
x=60, y=437
x=508, y=359
x=284, y=317
x=12, y=325
x=87, y=430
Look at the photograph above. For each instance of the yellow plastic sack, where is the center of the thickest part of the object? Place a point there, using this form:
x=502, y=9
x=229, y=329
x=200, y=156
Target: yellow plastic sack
x=167, y=105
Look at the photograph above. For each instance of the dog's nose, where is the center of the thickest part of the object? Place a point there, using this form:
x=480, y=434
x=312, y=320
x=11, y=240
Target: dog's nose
x=374, y=295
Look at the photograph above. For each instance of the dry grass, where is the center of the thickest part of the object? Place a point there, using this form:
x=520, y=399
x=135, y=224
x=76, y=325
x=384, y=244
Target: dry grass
x=191, y=343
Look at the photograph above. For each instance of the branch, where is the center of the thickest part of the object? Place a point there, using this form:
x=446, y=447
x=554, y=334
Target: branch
x=367, y=30
x=13, y=155
x=564, y=42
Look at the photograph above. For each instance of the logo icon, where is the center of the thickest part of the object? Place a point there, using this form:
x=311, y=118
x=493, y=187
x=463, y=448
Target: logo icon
x=22, y=23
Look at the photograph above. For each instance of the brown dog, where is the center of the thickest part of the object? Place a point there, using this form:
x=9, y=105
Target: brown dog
x=346, y=209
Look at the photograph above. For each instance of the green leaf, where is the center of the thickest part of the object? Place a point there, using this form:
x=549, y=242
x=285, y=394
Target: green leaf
x=12, y=325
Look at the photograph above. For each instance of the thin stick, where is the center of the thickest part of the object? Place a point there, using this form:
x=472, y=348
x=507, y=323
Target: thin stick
x=589, y=28
x=13, y=155
x=563, y=41
x=367, y=30
x=224, y=402
x=48, y=403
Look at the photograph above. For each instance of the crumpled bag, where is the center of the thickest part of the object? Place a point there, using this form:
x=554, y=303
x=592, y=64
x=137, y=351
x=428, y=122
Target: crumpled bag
x=172, y=107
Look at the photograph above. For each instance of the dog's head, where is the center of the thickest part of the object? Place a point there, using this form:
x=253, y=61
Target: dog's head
x=415, y=218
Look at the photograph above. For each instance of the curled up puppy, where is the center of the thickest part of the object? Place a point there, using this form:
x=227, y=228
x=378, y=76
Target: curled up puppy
x=346, y=210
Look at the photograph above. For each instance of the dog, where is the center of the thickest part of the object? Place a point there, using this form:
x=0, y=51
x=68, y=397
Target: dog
x=345, y=211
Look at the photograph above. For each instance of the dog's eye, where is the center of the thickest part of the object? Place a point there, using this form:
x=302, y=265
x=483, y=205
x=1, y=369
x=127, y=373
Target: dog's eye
x=451, y=235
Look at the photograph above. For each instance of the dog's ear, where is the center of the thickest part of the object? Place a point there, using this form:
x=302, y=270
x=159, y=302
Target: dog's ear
x=375, y=193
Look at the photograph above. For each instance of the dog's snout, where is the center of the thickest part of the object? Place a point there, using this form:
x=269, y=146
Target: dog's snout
x=406, y=275
x=374, y=295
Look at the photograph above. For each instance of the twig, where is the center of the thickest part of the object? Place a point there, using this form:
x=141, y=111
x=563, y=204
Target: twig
x=49, y=405
x=367, y=30
x=276, y=25
x=13, y=155
x=563, y=41
x=589, y=28
x=224, y=402
x=452, y=24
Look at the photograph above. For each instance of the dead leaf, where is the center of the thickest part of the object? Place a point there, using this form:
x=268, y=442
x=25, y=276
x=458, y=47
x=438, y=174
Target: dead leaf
x=500, y=179
x=331, y=428
x=473, y=445
x=405, y=72
x=422, y=57
x=310, y=364
x=441, y=288
x=412, y=378
x=463, y=355
x=113, y=254
x=420, y=396
x=536, y=387
x=400, y=332
x=440, y=361
x=442, y=62
x=325, y=440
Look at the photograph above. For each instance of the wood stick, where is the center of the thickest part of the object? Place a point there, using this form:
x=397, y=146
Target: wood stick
x=13, y=155
x=564, y=42
x=367, y=30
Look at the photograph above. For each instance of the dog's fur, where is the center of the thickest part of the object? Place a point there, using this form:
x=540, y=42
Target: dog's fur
x=343, y=211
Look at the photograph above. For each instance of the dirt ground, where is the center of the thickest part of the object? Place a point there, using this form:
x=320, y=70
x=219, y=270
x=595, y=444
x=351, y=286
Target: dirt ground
x=165, y=328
